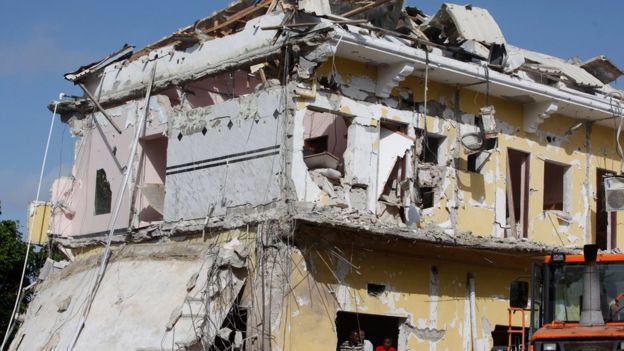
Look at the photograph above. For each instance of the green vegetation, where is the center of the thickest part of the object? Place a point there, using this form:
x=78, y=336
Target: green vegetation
x=12, y=251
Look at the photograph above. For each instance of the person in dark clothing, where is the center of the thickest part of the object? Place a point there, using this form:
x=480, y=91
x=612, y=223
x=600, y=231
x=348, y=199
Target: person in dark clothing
x=353, y=344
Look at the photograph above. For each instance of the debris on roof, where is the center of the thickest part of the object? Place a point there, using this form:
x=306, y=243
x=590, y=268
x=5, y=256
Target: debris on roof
x=558, y=68
x=381, y=13
x=602, y=68
x=317, y=7
x=462, y=32
x=84, y=71
x=456, y=24
x=221, y=23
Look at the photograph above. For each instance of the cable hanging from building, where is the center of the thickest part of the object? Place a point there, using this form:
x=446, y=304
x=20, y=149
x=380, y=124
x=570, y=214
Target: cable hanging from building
x=20, y=296
x=106, y=255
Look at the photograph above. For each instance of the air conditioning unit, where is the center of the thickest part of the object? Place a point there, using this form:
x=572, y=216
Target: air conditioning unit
x=614, y=193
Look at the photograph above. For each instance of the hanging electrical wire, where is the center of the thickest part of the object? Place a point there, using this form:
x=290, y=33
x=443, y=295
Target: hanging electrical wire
x=618, y=113
x=426, y=93
x=124, y=183
x=19, y=297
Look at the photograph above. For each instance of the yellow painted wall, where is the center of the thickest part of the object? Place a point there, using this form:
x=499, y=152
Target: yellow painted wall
x=322, y=284
x=475, y=193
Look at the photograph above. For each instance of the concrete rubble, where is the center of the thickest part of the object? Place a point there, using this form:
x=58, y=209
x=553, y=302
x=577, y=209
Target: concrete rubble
x=304, y=166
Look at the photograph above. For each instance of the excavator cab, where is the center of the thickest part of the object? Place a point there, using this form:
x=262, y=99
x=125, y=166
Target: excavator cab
x=576, y=304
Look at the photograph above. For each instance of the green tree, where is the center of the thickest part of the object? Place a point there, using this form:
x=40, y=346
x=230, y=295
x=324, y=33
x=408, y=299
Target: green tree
x=12, y=252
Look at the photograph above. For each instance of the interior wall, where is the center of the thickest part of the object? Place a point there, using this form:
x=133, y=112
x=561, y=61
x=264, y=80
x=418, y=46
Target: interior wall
x=331, y=126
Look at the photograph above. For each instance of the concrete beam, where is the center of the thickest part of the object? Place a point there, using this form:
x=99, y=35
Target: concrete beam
x=390, y=76
x=536, y=113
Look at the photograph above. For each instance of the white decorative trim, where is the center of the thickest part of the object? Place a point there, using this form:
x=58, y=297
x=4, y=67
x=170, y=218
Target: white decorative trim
x=536, y=113
x=390, y=76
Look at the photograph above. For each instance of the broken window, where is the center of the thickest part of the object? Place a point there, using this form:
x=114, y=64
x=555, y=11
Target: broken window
x=152, y=179
x=517, y=192
x=375, y=289
x=325, y=140
x=555, y=181
x=606, y=222
x=376, y=327
x=394, y=145
x=427, y=197
x=431, y=149
x=103, y=194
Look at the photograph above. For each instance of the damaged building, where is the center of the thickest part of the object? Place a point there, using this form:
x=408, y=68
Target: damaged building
x=283, y=172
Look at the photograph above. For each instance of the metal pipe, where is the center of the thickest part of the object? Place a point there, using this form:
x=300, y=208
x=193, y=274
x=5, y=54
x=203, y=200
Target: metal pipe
x=99, y=107
x=591, y=314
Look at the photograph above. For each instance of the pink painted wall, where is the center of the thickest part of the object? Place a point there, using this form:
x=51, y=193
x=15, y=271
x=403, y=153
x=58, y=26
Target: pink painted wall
x=214, y=90
x=318, y=124
x=101, y=147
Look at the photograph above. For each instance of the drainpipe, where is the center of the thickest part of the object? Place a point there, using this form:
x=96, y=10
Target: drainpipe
x=591, y=314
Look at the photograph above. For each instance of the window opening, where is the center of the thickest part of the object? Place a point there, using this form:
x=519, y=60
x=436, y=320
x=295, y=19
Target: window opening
x=103, y=194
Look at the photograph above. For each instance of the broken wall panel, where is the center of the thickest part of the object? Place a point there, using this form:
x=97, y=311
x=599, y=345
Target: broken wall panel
x=153, y=289
x=217, y=89
x=125, y=78
x=462, y=195
x=393, y=148
x=224, y=156
x=101, y=150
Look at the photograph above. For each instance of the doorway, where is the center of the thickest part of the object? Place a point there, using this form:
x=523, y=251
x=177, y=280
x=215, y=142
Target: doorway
x=606, y=228
x=518, y=193
x=377, y=327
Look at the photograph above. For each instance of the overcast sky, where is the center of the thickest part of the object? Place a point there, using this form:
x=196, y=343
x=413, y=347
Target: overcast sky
x=40, y=40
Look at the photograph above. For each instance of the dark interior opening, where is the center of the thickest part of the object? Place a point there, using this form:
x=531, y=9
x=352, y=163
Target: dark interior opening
x=377, y=327
x=103, y=193
x=518, y=189
x=427, y=196
x=602, y=216
x=554, y=179
x=500, y=338
x=375, y=289
x=315, y=145
x=236, y=321
x=431, y=146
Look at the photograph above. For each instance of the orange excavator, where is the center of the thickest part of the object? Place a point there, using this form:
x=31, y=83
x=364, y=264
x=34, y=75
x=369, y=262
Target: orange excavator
x=576, y=304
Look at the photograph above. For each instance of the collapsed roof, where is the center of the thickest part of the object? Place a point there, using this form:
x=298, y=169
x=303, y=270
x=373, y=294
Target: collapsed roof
x=461, y=32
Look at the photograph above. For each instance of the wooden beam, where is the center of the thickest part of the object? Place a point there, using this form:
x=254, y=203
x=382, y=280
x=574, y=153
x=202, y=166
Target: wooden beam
x=238, y=16
x=310, y=24
x=272, y=6
x=365, y=8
